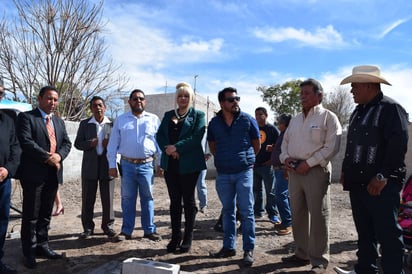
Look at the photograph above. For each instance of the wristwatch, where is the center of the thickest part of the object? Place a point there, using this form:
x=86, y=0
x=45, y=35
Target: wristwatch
x=380, y=177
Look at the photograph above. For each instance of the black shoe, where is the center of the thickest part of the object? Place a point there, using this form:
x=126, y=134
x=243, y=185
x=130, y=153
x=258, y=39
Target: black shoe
x=123, y=236
x=223, y=253
x=47, y=252
x=5, y=269
x=30, y=262
x=109, y=232
x=153, y=237
x=174, y=244
x=218, y=227
x=248, y=258
x=295, y=260
x=187, y=243
x=86, y=234
x=318, y=269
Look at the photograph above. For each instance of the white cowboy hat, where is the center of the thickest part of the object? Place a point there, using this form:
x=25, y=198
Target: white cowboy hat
x=365, y=74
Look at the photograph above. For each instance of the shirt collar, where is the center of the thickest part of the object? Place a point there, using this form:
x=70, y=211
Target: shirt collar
x=105, y=121
x=44, y=114
x=144, y=113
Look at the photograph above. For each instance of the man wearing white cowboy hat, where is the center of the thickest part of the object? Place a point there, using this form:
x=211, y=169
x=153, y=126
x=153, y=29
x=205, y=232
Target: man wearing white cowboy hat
x=373, y=171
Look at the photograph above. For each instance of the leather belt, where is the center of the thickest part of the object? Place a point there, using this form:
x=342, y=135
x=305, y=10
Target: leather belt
x=138, y=161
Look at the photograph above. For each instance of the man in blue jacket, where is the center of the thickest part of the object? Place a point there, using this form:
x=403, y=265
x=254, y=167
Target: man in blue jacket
x=234, y=140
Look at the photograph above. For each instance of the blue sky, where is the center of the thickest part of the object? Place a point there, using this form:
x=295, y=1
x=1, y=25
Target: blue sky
x=246, y=44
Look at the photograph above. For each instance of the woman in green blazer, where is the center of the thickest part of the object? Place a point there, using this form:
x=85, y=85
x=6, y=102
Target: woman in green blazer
x=179, y=137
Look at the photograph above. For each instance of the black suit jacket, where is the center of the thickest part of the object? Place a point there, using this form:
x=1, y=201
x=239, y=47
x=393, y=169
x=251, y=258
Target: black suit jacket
x=35, y=144
x=93, y=166
x=9, y=146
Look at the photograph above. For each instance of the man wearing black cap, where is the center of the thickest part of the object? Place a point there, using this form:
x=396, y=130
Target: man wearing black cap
x=9, y=160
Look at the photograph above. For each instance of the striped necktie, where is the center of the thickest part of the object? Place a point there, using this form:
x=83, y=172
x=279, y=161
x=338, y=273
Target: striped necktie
x=52, y=136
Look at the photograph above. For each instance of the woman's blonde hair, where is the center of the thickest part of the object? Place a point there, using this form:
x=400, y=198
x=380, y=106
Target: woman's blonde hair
x=184, y=87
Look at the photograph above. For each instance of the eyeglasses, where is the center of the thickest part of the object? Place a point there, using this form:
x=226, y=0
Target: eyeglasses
x=138, y=99
x=232, y=99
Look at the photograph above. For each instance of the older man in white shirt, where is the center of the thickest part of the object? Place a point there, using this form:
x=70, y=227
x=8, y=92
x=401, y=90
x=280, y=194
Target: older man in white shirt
x=310, y=142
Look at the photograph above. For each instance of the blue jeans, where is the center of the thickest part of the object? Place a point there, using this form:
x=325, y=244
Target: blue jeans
x=265, y=174
x=202, y=189
x=5, y=190
x=232, y=187
x=137, y=178
x=376, y=220
x=282, y=198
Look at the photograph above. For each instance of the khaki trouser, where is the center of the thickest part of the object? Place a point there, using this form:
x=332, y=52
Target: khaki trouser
x=310, y=205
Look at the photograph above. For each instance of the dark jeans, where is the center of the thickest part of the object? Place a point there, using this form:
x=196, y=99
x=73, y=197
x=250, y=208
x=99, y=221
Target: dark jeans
x=89, y=189
x=376, y=221
x=38, y=199
x=5, y=190
x=266, y=175
x=182, y=187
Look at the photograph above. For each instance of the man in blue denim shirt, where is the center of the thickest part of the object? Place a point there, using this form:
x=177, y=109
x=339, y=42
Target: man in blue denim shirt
x=233, y=138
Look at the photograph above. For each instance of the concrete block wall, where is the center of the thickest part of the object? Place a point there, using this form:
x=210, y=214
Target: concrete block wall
x=73, y=163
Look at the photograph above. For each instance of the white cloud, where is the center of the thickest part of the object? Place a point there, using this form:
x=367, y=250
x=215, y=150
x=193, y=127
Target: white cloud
x=321, y=37
x=155, y=46
x=399, y=76
x=393, y=26
x=145, y=46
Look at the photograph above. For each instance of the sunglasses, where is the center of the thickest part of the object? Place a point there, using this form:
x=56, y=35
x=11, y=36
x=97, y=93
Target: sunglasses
x=138, y=99
x=2, y=93
x=232, y=99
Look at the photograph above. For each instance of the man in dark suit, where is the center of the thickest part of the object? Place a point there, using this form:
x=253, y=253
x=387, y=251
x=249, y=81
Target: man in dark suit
x=44, y=142
x=92, y=138
x=9, y=160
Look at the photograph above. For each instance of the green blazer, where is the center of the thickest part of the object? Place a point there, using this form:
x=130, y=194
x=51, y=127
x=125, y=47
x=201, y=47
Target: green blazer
x=189, y=146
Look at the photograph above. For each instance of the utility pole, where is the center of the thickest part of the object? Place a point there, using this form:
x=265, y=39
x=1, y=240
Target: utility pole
x=194, y=87
x=194, y=90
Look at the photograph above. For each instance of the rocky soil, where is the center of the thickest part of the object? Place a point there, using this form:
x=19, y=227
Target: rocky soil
x=103, y=255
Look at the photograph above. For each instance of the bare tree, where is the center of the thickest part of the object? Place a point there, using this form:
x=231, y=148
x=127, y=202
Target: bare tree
x=59, y=43
x=341, y=103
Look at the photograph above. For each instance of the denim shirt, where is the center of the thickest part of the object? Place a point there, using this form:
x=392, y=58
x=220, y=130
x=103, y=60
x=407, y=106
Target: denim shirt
x=234, y=150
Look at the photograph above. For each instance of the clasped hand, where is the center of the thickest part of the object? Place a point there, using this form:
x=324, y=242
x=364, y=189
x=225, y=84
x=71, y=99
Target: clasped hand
x=54, y=160
x=171, y=151
x=294, y=165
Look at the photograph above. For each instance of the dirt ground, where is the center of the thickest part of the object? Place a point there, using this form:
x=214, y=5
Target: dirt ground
x=89, y=255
